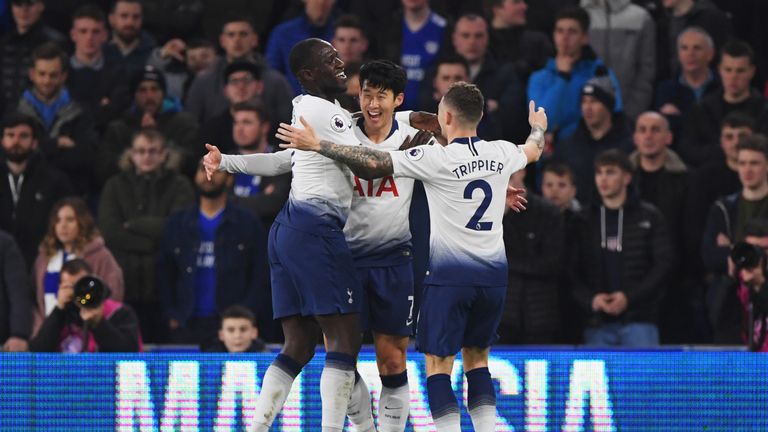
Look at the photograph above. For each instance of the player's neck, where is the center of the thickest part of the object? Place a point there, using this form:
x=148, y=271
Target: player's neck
x=415, y=18
x=380, y=133
x=460, y=133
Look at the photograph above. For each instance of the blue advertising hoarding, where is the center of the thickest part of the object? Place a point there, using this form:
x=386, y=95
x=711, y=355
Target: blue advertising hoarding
x=538, y=391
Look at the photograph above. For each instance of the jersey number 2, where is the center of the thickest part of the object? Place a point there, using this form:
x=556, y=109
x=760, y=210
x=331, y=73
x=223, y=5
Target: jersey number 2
x=474, y=223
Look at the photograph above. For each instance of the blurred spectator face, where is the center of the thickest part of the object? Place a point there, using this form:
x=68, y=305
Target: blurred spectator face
x=470, y=39
x=48, y=77
x=611, y=181
x=752, y=167
x=318, y=10
x=415, y=4
x=594, y=112
x=238, y=39
x=559, y=189
x=569, y=37
x=669, y=4
x=241, y=86
x=126, y=21
x=652, y=135
x=736, y=74
x=694, y=52
x=149, y=97
x=237, y=334
x=200, y=59
x=730, y=137
x=68, y=281
x=18, y=143
x=26, y=14
x=220, y=182
x=147, y=155
x=447, y=74
x=350, y=43
x=511, y=12
x=248, y=130
x=66, y=227
x=378, y=105
x=89, y=36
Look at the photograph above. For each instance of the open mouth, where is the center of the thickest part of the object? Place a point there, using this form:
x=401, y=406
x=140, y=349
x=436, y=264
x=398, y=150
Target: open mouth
x=374, y=116
x=341, y=75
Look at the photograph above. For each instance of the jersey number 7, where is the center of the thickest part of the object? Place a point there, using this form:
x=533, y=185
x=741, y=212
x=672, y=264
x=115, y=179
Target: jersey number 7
x=474, y=223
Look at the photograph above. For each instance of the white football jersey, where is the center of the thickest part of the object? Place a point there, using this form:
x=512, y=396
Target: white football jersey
x=320, y=186
x=466, y=184
x=378, y=221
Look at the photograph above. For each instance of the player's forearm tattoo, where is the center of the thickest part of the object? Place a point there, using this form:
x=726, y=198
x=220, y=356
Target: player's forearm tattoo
x=536, y=137
x=365, y=162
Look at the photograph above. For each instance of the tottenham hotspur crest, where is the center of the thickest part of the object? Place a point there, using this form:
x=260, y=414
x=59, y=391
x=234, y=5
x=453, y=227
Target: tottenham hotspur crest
x=337, y=123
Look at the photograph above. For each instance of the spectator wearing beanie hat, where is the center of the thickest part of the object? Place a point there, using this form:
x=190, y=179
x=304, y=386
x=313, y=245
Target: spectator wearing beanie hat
x=600, y=128
x=150, y=109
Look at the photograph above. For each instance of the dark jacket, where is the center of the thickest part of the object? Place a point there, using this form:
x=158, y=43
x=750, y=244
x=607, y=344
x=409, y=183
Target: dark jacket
x=722, y=218
x=135, y=59
x=15, y=59
x=132, y=214
x=118, y=330
x=206, y=99
x=43, y=185
x=579, y=152
x=534, y=241
x=671, y=91
x=526, y=50
x=76, y=162
x=241, y=263
x=646, y=260
x=15, y=299
x=180, y=129
x=92, y=87
x=701, y=131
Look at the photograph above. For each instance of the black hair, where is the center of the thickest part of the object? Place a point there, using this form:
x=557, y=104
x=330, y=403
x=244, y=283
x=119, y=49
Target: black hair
x=452, y=59
x=16, y=118
x=75, y=266
x=115, y=3
x=561, y=169
x=350, y=21
x=738, y=119
x=90, y=11
x=383, y=75
x=738, y=48
x=303, y=54
x=259, y=109
x=575, y=13
x=757, y=143
x=239, y=311
x=51, y=51
x=613, y=157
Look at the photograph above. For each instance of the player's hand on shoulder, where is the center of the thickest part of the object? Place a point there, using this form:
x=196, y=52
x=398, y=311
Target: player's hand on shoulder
x=295, y=138
x=537, y=117
x=212, y=160
x=425, y=121
x=420, y=138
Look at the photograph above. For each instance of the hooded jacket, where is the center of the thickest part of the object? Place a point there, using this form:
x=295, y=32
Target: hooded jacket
x=624, y=37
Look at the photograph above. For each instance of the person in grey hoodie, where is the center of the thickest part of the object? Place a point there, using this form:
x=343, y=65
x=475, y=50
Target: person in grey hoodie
x=624, y=36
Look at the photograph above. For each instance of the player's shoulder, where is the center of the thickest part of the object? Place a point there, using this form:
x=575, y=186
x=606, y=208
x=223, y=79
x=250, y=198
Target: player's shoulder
x=505, y=147
x=321, y=113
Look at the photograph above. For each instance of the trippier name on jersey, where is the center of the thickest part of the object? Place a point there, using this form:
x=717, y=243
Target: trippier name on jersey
x=477, y=165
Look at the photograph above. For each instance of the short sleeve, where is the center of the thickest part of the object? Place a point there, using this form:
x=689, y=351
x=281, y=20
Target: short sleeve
x=514, y=154
x=420, y=163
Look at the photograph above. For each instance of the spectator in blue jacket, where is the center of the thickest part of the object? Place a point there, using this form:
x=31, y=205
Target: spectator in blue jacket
x=211, y=256
x=314, y=22
x=558, y=86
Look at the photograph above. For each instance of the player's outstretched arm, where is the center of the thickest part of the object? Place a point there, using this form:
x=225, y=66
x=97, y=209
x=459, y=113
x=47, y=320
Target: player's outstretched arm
x=263, y=164
x=534, y=145
x=365, y=162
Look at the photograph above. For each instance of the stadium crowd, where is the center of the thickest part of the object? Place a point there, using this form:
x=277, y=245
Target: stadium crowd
x=656, y=161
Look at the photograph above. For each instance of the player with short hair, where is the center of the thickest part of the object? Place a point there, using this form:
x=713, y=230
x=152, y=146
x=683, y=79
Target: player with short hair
x=466, y=183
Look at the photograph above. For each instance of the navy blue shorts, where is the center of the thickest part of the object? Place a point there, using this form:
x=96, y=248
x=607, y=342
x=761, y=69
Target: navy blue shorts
x=387, y=299
x=311, y=274
x=452, y=317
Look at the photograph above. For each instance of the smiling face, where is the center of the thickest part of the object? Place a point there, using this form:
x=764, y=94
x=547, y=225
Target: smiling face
x=378, y=105
x=327, y=71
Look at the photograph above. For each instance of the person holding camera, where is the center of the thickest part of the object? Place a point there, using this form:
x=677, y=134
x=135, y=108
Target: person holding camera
x=725, y=227
x=85, y=319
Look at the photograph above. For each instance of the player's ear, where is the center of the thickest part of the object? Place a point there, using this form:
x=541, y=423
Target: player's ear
x=399, y=99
